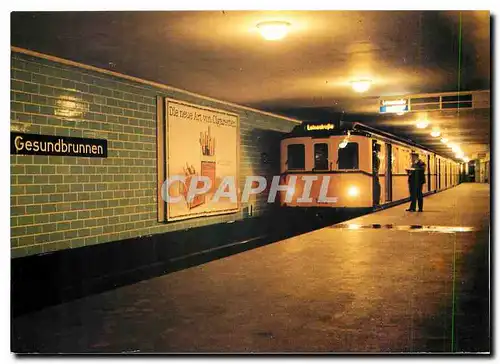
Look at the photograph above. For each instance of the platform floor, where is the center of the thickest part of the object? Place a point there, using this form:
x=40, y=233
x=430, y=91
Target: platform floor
x=372, y=284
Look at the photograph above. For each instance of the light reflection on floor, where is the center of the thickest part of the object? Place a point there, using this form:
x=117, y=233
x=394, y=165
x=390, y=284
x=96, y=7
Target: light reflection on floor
x=413, y=228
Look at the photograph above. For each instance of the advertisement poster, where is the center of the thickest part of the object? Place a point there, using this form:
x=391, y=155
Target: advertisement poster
x=200, y=141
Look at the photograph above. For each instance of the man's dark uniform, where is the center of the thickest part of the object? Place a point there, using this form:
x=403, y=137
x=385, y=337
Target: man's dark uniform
x=416, y=179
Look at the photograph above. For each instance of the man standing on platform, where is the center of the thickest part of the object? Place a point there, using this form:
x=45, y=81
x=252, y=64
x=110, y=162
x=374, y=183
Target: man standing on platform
x=416, y=179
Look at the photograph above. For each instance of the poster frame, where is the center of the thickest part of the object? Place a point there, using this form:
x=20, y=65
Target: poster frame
x=167, y=154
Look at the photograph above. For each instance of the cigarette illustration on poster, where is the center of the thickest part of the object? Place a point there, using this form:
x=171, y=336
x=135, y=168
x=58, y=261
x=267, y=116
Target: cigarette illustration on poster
x=200, y=141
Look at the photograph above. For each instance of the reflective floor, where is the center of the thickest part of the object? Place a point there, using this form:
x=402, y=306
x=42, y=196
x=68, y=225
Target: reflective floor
x=413, y=228
x=371, y=284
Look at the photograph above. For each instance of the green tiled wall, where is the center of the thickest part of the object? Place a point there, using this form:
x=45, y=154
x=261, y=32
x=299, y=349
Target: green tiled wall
x=65, y=202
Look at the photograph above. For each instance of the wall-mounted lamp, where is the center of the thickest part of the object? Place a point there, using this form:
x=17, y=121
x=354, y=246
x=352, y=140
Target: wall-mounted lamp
x=344, y=142
x=70, y=107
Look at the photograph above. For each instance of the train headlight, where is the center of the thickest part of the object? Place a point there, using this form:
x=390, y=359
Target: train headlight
x=353, y=191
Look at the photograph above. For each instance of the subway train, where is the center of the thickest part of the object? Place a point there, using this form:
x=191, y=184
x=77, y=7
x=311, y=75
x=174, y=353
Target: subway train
x=352, y=165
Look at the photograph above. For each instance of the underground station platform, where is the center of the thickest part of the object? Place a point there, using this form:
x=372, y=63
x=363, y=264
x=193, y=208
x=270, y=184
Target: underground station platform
x=245, y=189
x=390, y=281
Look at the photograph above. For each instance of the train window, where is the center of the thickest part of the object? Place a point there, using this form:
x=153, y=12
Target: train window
x=321, y=156
x=348, y=157
x=296, y=156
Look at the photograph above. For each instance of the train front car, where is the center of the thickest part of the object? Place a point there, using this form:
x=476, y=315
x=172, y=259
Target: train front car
x=326, y=166
x=353, y=166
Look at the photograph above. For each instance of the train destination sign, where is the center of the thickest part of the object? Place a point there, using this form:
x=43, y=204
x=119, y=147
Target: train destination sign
x=394, y=106
x=314, y=127
x=37, y=144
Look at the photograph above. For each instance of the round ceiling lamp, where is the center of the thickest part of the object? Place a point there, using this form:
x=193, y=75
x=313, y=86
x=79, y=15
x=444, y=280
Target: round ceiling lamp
x=361, y=85
x=435, y=132
x=422, y=124
x=273, y=30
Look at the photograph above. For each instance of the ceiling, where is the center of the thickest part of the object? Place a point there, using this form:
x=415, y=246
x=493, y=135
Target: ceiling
x=306, y=75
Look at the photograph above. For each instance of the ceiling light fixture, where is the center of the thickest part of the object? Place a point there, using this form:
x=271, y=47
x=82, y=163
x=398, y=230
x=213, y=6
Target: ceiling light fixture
x=459, y=154
x=361, y=85
x=444, y=140
x=466, y=159
x=273, y=30
x=455, y=148
x=435, y=132
x=422, y=124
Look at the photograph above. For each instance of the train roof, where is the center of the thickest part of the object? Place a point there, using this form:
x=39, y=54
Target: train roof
x=324, y=130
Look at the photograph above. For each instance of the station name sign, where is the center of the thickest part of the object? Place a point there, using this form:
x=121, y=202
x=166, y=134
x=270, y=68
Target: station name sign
x=36, y=144
x=311, y=127
x=394, y=106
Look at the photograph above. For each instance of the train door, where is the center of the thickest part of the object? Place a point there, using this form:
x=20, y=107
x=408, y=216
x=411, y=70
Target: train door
x=375, y=172
x=445, y=174
x=471, y=172
x=439, y=173
x=428, y=172
x=435, y=173
x=450, y=175
x=388, y=172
